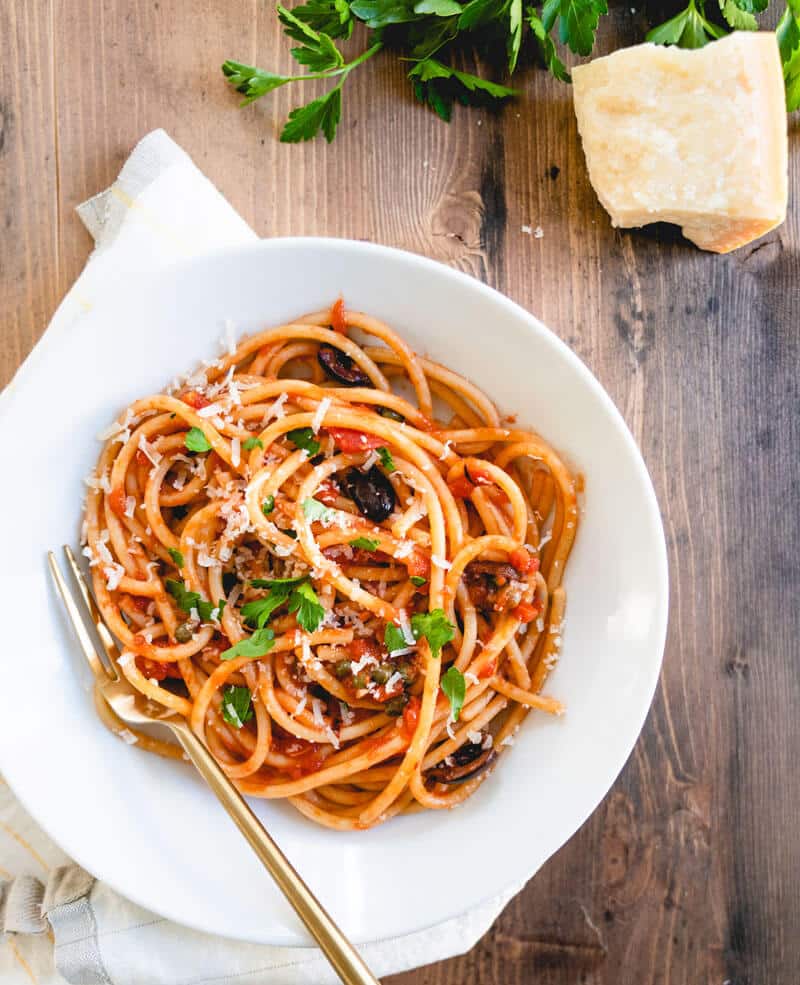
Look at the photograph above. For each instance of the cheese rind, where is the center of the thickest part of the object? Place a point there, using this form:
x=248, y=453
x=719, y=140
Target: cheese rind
x=693, y=137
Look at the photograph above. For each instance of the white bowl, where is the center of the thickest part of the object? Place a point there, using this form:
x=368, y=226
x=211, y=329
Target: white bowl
x=149, y=827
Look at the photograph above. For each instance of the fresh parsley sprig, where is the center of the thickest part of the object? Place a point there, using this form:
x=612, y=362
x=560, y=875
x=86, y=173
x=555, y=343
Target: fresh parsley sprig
x=187, y=601
x=318, y=53
x=297, y=592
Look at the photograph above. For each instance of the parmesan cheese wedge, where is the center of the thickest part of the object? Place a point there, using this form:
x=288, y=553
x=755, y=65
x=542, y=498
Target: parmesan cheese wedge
x=693, y=137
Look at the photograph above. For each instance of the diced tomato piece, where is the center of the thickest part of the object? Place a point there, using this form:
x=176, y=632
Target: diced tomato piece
x=327, y=493
x=411, y=716
x=351, y=442
x=523, y=561
x=195, y=399
x=418, y=565
x=338, y=322
x=116, y=500
x=141, y=458
x=463, y=485
x=156, y=670
x=526, y=611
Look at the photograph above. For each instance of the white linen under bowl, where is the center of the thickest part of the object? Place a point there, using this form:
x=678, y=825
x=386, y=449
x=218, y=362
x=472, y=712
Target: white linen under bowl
x=149, y=827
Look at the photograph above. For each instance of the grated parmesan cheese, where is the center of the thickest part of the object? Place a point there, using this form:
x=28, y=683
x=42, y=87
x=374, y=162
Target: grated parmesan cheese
x=276, y=410
x=446, y=450
x=393, y=681
x=470, y=677
x=404, y=548
x=316, y=712
x=474, y=737
x=211, y=410
x=300, y=707
x=148, y=450
x=114, y=573
x=405, y=627
x=236, y=452
x=319, y=414
x=441, y=562
x=130, y=505
x=369, y=461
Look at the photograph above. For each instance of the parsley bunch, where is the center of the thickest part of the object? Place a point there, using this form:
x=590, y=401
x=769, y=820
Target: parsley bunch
x=432, y=36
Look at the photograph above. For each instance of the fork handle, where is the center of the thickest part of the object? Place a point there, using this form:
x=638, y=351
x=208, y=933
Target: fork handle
x=344, y=958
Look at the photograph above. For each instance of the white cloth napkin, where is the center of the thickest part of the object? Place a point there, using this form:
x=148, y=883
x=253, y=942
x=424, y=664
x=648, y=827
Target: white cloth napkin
x=59, y=924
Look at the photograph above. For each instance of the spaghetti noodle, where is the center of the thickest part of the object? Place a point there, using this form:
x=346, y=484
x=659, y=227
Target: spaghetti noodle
x=354, y=596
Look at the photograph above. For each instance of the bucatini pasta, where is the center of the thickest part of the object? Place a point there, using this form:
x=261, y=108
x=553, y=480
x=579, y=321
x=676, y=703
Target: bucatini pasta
x=338, y=563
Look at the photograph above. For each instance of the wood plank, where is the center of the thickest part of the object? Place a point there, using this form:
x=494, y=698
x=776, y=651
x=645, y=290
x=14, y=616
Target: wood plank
x=686, y=873
x=30, y=272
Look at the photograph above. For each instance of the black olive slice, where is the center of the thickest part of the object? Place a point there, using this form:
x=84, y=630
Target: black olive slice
x=340, y=367
x=372, y=493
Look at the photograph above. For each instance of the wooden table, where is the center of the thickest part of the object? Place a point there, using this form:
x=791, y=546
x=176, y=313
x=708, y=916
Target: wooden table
x=689, y=870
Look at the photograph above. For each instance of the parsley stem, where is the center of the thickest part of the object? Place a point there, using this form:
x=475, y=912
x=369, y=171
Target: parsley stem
x=343, y=70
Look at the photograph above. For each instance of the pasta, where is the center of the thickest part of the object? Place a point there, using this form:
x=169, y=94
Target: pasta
x=337, y=561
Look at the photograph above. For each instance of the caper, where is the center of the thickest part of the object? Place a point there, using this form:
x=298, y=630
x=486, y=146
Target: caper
x=183, y=634
x=380, y=675
x=391, y=414
x=406, y=671
x=342, y=669
x=396, y=705
x=359, y=682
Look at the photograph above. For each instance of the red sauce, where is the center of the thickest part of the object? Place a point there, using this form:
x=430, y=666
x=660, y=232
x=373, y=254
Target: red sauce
x=195, y=399
x=308, y=756
x=156, y=669
x=140, y=458
x=351, y=442
x=116, y=500
x=327, y=493
x=488, y=670
x=411, y=716
x=361, y=647
x=338, y=320
x=140, y=602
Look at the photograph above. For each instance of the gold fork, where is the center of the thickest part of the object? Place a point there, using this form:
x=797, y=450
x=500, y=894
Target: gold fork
x=135, y=709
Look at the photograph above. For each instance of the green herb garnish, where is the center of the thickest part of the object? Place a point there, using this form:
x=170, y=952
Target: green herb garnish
x=418, y=580
x=298, y=592
x=195, y=440
x=455, y=689
x=193, y=600
x=386, y=459
x=365, y=543
x=304, y=438
x=176, y=556
x=314, y=510
x=237, y=705
x=394, y=639
x=268, y=505
x=250, y=443
x=257, y=645
x=435, y=627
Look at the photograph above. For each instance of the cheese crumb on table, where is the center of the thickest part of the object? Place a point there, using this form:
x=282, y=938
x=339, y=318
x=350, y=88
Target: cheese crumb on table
x=693, y=137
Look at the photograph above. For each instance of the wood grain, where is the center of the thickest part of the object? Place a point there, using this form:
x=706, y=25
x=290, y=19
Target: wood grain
x=687, y=873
